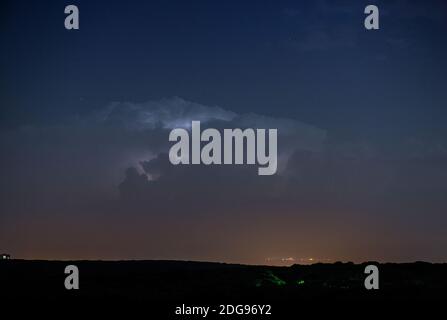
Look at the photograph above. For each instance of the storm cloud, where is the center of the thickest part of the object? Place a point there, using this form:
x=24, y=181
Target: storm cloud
x=111, y=169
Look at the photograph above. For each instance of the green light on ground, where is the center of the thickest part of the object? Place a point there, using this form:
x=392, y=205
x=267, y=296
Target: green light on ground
x=275, y=280
x=300, y=282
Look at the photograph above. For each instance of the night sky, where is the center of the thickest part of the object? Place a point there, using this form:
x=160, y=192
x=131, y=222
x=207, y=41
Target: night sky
x=361, y=118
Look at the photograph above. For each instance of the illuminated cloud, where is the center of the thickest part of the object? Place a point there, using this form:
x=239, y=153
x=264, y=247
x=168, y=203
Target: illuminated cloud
x=114, y=167
x=165, y=113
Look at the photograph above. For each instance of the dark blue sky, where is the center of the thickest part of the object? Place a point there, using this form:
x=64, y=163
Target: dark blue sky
x=313, y=60
x=381, y=94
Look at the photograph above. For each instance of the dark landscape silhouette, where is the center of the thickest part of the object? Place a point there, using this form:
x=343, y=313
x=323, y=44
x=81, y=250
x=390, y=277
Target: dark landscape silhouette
x=183, y=280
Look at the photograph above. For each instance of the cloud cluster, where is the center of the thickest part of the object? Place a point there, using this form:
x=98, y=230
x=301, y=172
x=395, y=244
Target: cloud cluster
x=165, y=113
x=111, y=169
x=91, y=155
